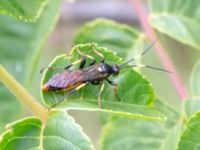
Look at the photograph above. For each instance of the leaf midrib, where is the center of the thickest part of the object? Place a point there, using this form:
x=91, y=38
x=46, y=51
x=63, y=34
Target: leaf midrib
x=68, y=141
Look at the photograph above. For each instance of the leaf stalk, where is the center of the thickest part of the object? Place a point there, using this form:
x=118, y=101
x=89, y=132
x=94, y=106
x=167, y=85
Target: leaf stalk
x=22, y=94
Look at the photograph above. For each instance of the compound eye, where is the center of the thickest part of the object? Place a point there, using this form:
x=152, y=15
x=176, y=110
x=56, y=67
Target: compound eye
x=115, y=69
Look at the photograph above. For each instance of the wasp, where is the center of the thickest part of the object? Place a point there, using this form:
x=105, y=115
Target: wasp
x=95, y=74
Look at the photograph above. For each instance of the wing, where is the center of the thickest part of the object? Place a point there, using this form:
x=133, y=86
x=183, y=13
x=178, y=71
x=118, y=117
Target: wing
x=71, y=79
x=92, y=74
x=64, y=81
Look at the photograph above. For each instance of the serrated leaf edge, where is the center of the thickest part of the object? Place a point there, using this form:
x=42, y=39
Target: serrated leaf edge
x=30, y=19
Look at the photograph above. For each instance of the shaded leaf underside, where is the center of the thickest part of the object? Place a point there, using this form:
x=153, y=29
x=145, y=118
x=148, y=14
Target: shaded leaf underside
x=178, y=19
x=123, y=133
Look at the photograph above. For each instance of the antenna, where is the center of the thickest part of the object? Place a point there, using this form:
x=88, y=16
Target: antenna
x=142, y=65
x=146, y=50
x=150, y=67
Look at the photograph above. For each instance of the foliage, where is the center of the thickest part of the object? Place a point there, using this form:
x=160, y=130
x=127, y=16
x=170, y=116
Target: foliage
x=139, y=121
x=23, y=9
x=178, y=19
x=121, y=133
x=21, y=46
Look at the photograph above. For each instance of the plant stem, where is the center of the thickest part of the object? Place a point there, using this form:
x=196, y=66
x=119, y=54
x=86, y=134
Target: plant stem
x=20, y=92
x=180, y=88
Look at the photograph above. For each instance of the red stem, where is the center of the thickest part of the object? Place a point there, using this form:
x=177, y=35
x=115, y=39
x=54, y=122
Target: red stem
x=181, y=90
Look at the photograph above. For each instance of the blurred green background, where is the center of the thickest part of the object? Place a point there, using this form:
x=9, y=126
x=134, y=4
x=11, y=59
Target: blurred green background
x=72, y=17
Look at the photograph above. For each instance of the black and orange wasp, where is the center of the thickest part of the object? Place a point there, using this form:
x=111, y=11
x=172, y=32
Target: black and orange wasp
x=73, y=80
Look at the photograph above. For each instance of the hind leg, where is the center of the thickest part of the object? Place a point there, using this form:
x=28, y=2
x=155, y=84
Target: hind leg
x=81, y=61
x=67, y=94
x=98, y=53
x=86, y=56
x=99, y=95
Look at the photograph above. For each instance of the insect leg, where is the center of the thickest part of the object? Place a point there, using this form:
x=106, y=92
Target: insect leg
x=99, y=95
x=52, y=68
x=99, y=54
x=115, y=88
x=151, y=67
x=63, y=68
x=96, y=82
x=88, y=56
x=82, y=64
x=68, y=93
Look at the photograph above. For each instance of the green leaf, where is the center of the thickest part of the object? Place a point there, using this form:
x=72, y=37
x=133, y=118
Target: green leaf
x=191, y=105
x=127, y=134
x=61, y=132
x=178, y=19
x=23, y=134
x=126, y=110
x=20, y=46
x=195, y=80
x=133, y=87
x=41, y=32
x=117, y=37
x=23, y=9
x=190, y=138
x=22, y=43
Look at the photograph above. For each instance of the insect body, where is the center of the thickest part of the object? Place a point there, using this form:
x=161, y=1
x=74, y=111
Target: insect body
x=73, y=80
x=64, y=81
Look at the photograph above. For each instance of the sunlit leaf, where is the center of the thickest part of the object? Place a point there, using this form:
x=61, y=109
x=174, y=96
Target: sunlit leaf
x=23, y=134
x=191, y=105
x=125, y=109
x=23, y=9
x=190, y=138
x=120, y=38
x=61, y=132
